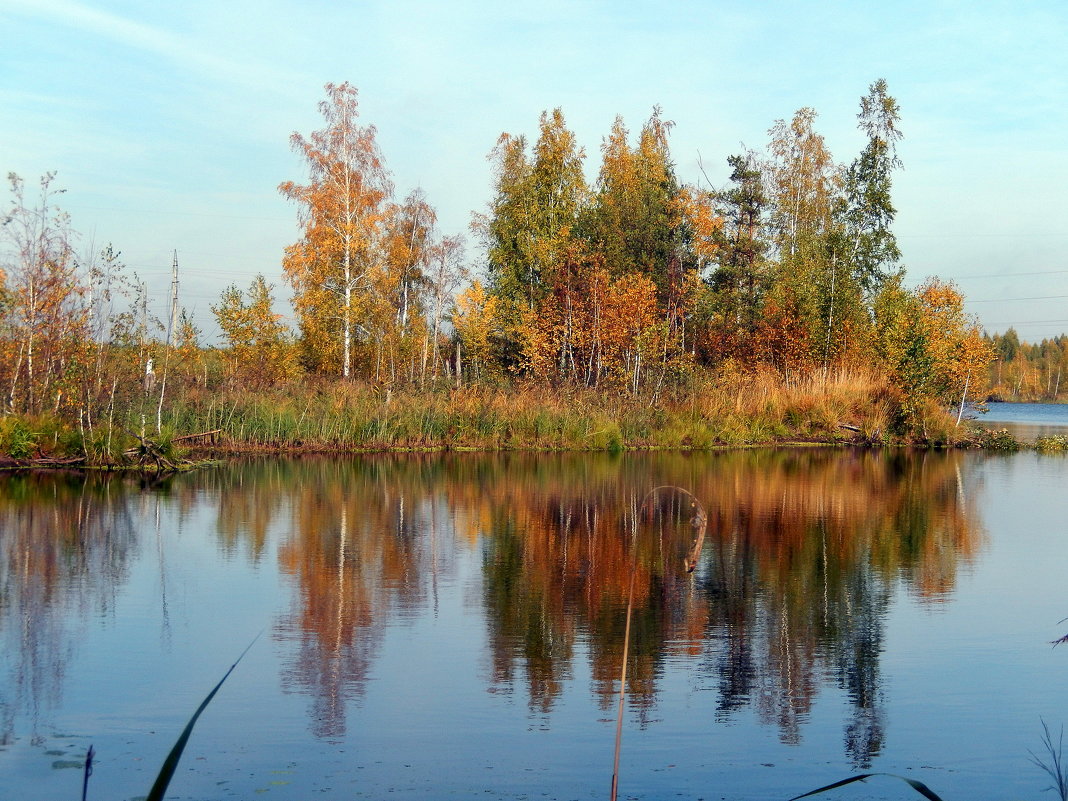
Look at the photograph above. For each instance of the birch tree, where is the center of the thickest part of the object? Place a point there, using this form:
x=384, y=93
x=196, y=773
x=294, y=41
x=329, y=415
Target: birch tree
x=803, y=185
x=342, y=210
x=410, y=231
x=45, y=318
x=445, y=272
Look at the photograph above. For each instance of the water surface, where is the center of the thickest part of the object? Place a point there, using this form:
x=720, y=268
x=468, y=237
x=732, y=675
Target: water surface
x=1027, y=421
x=452, y=626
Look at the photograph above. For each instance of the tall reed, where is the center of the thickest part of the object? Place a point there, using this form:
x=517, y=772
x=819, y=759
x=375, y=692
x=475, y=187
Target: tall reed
x=699, y=524
x=727, y=408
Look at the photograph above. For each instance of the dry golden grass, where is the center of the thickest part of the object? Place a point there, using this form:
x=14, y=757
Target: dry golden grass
x=726, y=408
x=729, y=407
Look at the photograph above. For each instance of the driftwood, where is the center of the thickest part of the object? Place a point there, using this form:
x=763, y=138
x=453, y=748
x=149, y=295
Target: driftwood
x=211, y=434
x=149, y=454
x=874, y=439
x=46, y=462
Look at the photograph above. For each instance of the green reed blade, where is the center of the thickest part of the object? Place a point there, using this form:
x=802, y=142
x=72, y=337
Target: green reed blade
x=919, y=787
x=170, y=764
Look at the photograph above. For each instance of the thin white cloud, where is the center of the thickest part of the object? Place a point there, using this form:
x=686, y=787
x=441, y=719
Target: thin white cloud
x=182, y=52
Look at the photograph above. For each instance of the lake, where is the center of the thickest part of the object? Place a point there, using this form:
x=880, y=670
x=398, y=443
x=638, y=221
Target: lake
x=451, y=626
x=1027, y=421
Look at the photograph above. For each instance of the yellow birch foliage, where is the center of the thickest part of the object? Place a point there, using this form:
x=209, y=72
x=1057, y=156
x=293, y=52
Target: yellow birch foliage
x=629, y=332
x=44, y=319
x=954, y=340
x=342, y=211
x=477, y=323
x=260, y=351
x=696, y=209
x=929, y=346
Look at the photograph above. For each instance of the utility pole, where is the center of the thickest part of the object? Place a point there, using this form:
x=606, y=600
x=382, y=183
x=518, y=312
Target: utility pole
x=174, y=300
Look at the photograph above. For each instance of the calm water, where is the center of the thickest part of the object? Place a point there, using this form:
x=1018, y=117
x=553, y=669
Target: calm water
x=1027, y=421
x=451, y=627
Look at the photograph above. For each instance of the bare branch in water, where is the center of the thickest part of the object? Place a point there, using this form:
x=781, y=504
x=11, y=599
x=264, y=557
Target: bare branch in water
x=1062, y=639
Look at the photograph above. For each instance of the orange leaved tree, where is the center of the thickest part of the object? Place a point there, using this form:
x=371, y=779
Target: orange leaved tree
x=342, y=209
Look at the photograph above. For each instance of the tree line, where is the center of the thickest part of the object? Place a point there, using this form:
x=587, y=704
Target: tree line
x=630, y=283
x=1024, y=371
x=634, y=283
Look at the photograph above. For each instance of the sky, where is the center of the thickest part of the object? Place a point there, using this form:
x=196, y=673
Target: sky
x=168, y=124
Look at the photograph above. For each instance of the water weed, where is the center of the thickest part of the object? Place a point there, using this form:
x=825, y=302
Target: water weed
x=993, y=439
x=1052, y=761
x=1057, y=443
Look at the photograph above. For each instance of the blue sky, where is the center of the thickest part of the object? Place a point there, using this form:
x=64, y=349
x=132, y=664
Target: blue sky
x=169, y=124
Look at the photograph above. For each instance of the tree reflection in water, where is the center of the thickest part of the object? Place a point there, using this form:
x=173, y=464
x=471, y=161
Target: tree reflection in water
x=803, y=552
x=364, y=540
x=60, y=564
x=804, y=549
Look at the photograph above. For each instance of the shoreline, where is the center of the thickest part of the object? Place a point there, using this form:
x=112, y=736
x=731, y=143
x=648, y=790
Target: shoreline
x=748, y=411
x=201, y=457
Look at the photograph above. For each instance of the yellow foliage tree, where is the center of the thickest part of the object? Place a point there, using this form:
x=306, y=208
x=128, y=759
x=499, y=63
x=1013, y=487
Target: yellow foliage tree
x=932, y=350
x=477, y=323
x=342, y=211
x=260, y=350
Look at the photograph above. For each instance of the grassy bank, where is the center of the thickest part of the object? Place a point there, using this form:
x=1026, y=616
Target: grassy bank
x=730, y=410
x=751, y=410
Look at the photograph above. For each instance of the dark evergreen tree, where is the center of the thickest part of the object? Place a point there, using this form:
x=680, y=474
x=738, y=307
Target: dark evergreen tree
x=868, y=211
x=739, y=277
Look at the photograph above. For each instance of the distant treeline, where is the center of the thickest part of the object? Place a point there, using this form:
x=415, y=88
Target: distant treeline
x=636, y=286
x=1027, y=372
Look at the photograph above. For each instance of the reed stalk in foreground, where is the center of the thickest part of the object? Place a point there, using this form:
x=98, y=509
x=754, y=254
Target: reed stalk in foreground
x=699, y=523
x=88, y=771
x=1052, y=762
x=170, y=764
x=919, y=787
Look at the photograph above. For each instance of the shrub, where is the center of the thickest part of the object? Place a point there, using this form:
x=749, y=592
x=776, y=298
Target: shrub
x=17, y=440
x=993, y=439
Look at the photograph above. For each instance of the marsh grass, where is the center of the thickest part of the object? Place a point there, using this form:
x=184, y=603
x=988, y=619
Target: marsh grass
x=1057, y=443
x=728, y=408
x=993, y=439
x=18, y=439
x=735, y=409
